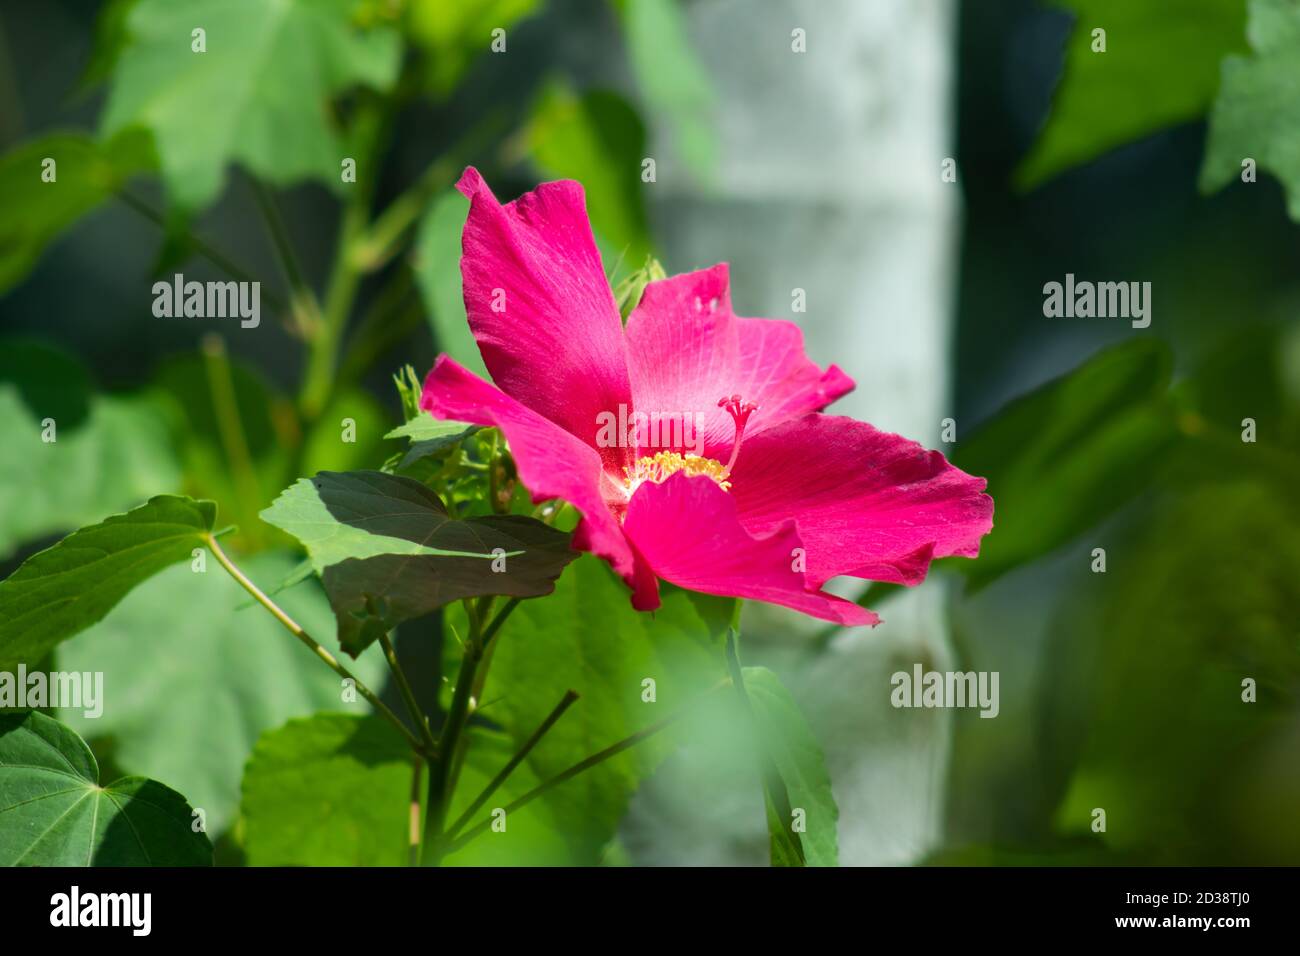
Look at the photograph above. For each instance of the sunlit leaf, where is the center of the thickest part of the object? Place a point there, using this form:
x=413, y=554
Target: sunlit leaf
x=259, y=95
x=66, y=588
x=1159, y=68
x=1256, y=94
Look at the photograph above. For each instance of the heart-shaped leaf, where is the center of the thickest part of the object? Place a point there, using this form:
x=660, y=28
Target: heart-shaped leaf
x=56, y=813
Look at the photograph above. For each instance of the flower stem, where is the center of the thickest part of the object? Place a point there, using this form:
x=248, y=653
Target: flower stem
x=345, y=275
x=408, y=695
x=435, y=814
x=296, y=630
x=230, y=426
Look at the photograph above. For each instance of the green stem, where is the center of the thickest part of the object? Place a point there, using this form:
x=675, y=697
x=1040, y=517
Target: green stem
x=225, y=407
x=305, y=308
x=417, y=765
x=296, y=630
x=345, y=275
x=570, y=697
x=435, y=814
x=408, y=695
x=391, y=317
x=480, y=674
x=388, y=232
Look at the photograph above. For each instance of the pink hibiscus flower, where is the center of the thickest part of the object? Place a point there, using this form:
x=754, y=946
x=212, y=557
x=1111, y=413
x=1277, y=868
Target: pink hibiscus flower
x=691, y=441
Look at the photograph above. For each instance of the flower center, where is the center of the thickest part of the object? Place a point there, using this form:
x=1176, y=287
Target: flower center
x=660, y=466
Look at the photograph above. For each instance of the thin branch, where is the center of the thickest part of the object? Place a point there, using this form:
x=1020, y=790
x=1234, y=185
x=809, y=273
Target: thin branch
x=408, y=695
x=296, y=630
x=583, y=765
x=230, y=426
x=565, y=703
x=491, y=630
x=440, y=773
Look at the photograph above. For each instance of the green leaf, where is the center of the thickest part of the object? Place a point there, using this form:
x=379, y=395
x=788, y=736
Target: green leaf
x=790, y=742
x=361, y=514
x=593, y=642
x=437, y=272
x=260, y=94
x=1256, y=93
x=57, y=814
x=456, y=33
x=328, y=790
x=121, y=441
x=599, y=140
x=190, y=682
x=35, y=212
x=429, y=436
x=64, y=589
x=1068, y=454
x=673, y=81
x=335, y=790
x=388, y=551
x=371, y=597
x=628, y=292
x=110, y=37
x=1160, y=68
x=426, y=428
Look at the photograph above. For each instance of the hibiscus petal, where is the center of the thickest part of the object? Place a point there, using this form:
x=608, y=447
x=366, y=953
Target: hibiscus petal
x=540, y=306
x=687, y=349
x=688, y=531
x=866, y=503
x=683, y=345
x=783, y=381
x=552, y=463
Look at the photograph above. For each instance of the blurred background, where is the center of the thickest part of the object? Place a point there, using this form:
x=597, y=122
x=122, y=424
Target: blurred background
x=807, y=143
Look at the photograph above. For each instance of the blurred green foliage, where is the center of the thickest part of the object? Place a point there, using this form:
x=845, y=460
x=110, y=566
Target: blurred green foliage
x=1153, y=68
